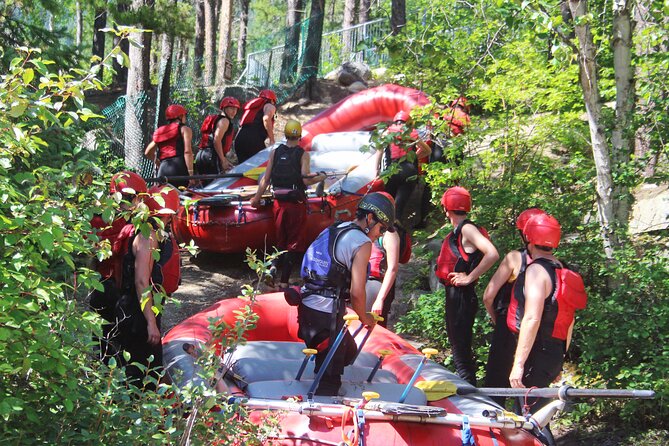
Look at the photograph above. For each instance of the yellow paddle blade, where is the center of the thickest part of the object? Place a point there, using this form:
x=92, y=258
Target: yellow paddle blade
x=255, y=172
x=436, y=390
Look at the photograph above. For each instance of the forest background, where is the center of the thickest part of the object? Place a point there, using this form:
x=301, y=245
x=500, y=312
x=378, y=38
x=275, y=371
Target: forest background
x=570, y=98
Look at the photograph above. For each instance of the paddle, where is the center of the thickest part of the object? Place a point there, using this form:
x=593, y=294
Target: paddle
x=563, y=392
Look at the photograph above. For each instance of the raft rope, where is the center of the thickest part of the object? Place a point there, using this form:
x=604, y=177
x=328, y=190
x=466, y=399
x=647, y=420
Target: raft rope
x=526, y=406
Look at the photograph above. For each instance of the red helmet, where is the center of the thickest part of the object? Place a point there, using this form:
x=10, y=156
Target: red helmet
x=401, y=116
x=543, y=230
x=382, y=205
x=127, y=182
x=457, y=199
x=524, y=216
x=267, y=94
x=229, y=101
x=174, y=111
x=461, y=102
x=169, y=202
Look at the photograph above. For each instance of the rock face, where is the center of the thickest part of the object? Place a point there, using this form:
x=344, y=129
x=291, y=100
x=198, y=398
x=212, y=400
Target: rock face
x=350, y=73
x=651, y=209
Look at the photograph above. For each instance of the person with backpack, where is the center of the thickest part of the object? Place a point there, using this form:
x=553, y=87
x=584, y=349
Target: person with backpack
x=405, y=149
x=256, y=125
x=334, y=270
x=541, y=312
x=128, y=188
x=496, y=298
x=144, y=279
x=466, y=254
x=170, y=149
x=217, y=136
x=388, y=251
x=288, y=171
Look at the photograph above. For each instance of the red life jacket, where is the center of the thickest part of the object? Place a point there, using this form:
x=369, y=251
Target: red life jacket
x=169, y=140
x=457, y=121
x=208, y=129
x=567, y=296
x=251, y=110
x=398, y=148
x=453, y=258
x=109, y=232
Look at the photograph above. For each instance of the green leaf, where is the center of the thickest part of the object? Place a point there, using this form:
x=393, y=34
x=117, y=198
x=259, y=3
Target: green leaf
x=28, y=75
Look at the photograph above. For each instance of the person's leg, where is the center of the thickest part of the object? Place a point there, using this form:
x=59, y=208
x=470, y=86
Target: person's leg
x=500, y=358
x=461, y=306
x=407, y=183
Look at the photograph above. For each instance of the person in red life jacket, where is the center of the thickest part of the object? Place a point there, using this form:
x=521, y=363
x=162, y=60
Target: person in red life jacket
x=144, y=279
x=256, y=125
x=496, y=298
x=127, y=187
x=405, y=150
x=171, y=149
x=288, y=171
x=541, y=312
x=465, y=255
x=384, y=263
x=217, y=136
x=335, y=269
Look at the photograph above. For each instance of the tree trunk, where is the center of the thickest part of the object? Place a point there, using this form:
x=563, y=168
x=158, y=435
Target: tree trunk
x=98, y=50
x=224, y=39
x=364, y=11
x=138, y=84
x=120, y=72
x=163, y=97
x=348, y=22
x=79, y=19
x=589, y=84
x=312, y=53
x=198, y=50
x=243, y=30
x=622, y=138
x=209, y=41
x=291, y=46
x=398, y=15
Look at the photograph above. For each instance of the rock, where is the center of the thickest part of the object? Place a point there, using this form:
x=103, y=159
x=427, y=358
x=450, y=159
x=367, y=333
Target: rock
x=356, y=87
x=346, y=78
x=650, y=211
x=359, y=69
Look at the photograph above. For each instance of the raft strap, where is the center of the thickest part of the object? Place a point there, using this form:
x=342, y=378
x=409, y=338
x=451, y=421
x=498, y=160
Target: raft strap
x=467, y=437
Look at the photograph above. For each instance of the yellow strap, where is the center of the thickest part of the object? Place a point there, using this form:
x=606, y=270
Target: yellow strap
x=436, y=390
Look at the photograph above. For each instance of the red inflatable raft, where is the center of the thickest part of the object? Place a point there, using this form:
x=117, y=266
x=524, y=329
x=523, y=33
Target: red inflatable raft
x=438, y=409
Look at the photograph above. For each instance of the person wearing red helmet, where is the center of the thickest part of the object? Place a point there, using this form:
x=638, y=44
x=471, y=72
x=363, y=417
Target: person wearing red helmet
x=256, y=125
x=542, y=307
x=170, y=149
x=466, y=254
x=334, y=267
x=217, y=135
x=288, y=171
x=145, y=278
x=496, y=298
x=404, y=150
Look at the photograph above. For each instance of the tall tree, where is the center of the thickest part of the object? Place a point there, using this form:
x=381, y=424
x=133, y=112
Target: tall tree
x=198, y=50
x=79, y=20
x=120, y=71
x=398, y=15
x=166, y=57
x=138, y=84
x=209, y=41
x=291, y=47
x=349, y=20
x=99, y=23
x=312, y=52
x=243, y=30
x=364, y=11
x=224, y=39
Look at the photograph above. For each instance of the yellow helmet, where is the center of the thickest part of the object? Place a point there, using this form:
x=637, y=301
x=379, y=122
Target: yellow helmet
x=293, y=129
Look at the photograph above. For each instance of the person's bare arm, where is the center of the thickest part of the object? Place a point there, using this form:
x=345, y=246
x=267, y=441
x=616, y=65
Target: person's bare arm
x=358, y=282
x=472, y=236
x=142, y=249
x=307, y=178
x=537, y=287
x=150, y=153
x=221, y=127
x=423, y=150
x=264, y=181
x=391, y=244
x=187, y=134
x=504, y=272
x=268, y=121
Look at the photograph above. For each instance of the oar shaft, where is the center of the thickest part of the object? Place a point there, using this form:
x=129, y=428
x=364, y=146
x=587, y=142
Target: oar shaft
x=412, y=380
x=213, y=176
x=555, y=392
